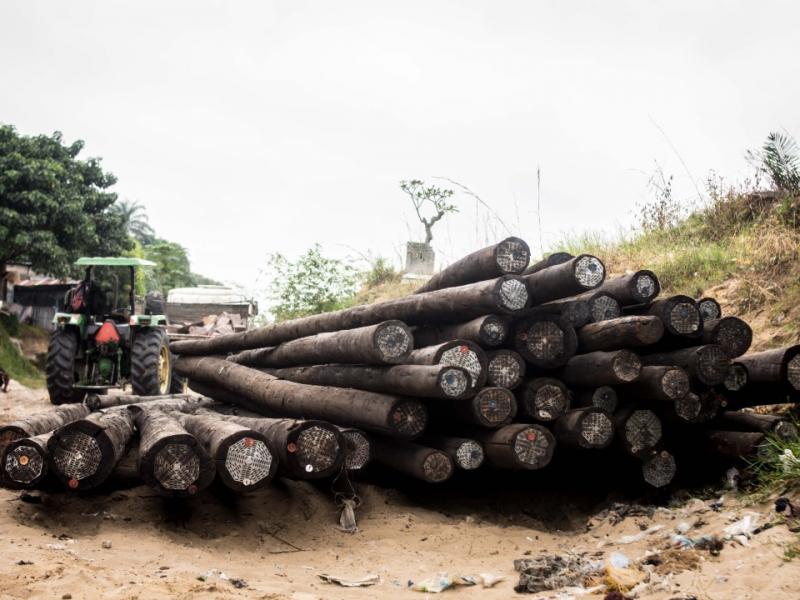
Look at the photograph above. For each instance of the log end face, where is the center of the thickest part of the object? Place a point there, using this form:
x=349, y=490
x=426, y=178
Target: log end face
x=605, y=398
x=493, y=331
x=709, y=309
x=642, y=431
x=659, y=470
x=734, y=336
x=595, y=429
x=712, y=364
x=689, y=407
x=787, y=431
x=534, y=447
x=683, y=316
x=736, y=378
x=317, y=449
x=76, y=457
x=644, y=286
x=675, y=383
x=409, y=418
x=248, y=461
x=24, y=465
x=550, y=401
x=546, y=343
x=626, y=366
x=393, y=341
x=604, y=307
x=176, y=468
x=454, y=382
x=505, y=369
x=465, y=356
x=437, y=467
x=512, y=294
x=793, y=372
x=589, y=271
x=496, y=406
x=469, y=455
x=357, y=452
x=512, y=255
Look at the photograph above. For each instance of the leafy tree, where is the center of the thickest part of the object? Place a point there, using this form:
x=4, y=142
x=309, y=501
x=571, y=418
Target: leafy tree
x=173, y=269
x=54, y=207
x=424, y=198
x=310, y=285
x=138, y=224
x=779, y=159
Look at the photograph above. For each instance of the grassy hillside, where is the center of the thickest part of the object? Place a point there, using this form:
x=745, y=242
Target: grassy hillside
x=11, y=359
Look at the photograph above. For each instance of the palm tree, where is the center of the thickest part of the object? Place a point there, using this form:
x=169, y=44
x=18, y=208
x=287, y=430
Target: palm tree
x=779, y=159
x=133, y=212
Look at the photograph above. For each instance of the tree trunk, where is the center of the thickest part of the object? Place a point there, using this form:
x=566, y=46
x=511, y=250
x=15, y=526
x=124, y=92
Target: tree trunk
x=781, y=365
x=26, y=462
x=545, y=341
x=601, y=368
x=731, y=334
x=508, y=257
x=621, y=333
x=98, y=402
x=775, y=425
x=427, y=464
x=505, y=369
x=584, y=272
x=457, y=353
x=543, y=399
x=589, y=307
x=389, y=342
x=556, y=258
x=491, y=407
x=395, y=416
x=604, y=397
x=41, y=422
x=735, y=445
x=518, y=446
x=487, y=331
x=708, y=364
x=504, y=295
x=639, y=287
x=466, y=453
x=679, y=315
x=589, y=428
x=665, y=384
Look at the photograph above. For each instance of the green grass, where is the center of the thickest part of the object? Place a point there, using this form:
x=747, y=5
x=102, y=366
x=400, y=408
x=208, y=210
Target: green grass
x=17, y=366
x=772, y=470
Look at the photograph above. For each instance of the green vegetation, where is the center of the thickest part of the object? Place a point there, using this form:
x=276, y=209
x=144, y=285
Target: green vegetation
x=426, y=199
x=775, y=468
x=16, y=365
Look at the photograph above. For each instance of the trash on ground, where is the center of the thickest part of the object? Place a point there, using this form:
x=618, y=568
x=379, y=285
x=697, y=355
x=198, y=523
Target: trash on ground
x=630, y=539
x=620, y=575
x=444, y=581
x=553, y=572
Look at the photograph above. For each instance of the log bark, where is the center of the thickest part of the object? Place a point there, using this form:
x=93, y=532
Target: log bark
x=556, y=258
x=587, y=428
x=505, y=369
x=457, y=353
x=504, y=295
x=709, y=309
x=99, y=402
x=708, y=364
x=577, y=275
x=639, y=287
x=543, y=399
x=759, y=394
x=638, y=430
x=420, y=381
x=601, y=368
x=171, y=461
x=679, y=315
x=39, y=423
x=488, y=331
x=776, y=425
x=659, y=470
x=510, y=256
x=572, y=311
x=661, y=383
x=518, y=446
x=358, y=451
x=26, y=462
x=241, y=455
x=545, y=341
x=781, y=365
x=427, y=464
x=734, y=445
x=395, y=416
x=604, y=397
x=617, y=334
x=85, y=452
x=466, y=453
x=389, y=342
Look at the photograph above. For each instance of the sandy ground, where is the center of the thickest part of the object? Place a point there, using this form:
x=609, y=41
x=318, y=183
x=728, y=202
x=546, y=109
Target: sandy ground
x=279, y=540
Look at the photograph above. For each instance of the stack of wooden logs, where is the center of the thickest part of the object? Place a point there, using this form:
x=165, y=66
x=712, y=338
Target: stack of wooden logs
x=491, y=364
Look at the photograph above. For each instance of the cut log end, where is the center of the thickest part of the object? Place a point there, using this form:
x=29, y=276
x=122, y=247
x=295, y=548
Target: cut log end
x=316, y=448
x=596, y=430
x=512, y=255
x=465, y=357
x=533, y=447
x=589, y=271
x=645, y=287
x=469, y=455
x=77, y=456
x=786, y=431
x=642, y=431
x=736, y=378
x=409, y=418
x=25, y=464
x=626, y=366
x=454, y=382
x=550, y=401
x=248, y=461
x=357, y=453
x=495, y=405
x=505, y=369
x=675, y=383
x=713, y=365
x=437, y=467
x=176, y=467
x=684, y=317
x=493, y=331
x=545, y=343
x=659, y=470
x=689, y=407
x=709, y=309
x=793, y=372
x=604, y=307
x=606, y=398
x=732, y=334
x=394, y=341
x=513, y=295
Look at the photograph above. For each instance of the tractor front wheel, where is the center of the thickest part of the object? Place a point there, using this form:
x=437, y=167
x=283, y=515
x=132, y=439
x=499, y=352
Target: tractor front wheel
x=62, y=367
x=151, y=363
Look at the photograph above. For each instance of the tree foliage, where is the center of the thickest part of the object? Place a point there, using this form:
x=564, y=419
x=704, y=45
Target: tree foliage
x=54, y=207
x=431, y=203
x=173, y=268
x=136, y=221
x=310, y=285
x=779, y=159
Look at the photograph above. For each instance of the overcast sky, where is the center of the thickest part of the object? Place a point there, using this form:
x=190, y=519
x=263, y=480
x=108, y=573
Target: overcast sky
x=247, y=128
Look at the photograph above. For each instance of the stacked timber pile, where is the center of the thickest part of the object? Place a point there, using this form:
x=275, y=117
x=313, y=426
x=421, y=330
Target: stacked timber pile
x=491, y=364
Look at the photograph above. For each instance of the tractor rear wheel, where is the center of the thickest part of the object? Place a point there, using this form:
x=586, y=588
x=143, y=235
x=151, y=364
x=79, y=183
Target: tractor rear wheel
x=151, y=363
x=62, y=367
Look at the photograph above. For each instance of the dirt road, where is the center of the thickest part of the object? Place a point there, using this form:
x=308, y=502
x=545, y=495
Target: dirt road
x=276, y=542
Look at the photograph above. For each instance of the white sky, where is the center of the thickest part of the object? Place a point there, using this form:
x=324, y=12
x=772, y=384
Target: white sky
x=247, y=128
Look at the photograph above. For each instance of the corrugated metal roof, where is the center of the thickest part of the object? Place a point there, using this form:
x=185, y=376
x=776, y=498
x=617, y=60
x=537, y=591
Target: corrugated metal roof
x=46, y=281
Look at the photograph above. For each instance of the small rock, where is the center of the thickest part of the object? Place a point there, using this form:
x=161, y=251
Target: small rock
x=66, y=596
x=24, y=562
x=106, y=544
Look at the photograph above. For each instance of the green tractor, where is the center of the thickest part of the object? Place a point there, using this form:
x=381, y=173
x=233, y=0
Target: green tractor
x=101, y=343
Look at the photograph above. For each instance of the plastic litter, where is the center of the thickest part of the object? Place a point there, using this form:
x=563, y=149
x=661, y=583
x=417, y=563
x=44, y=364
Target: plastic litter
x=444, y=581
x=363, y=582
x=554, y=572
x=743, y=527
x=630, y=539
x=788, y=460
x=347, y=519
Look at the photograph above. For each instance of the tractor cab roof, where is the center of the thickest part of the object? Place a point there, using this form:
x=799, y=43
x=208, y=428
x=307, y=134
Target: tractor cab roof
x=113, y=261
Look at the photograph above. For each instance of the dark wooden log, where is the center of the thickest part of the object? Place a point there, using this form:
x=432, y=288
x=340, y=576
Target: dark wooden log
x=735, y=445
x=420, y=381
x=466, y=453
x=709, y=309
x=396, y=416
x=708, y=364
x=758, y=394
x=85, y=452
x=358, y=451
x=41, y=422
x=510, y=256
x=688, y=409
x=242, y=456
x=584, y=272
x=737, y=378
x=504, y=295
x=638, y=430
x=100, y=402
x=543, y=399
x=679, y=315
x=545, y=341
x=428, y=464
x=781, y=365
x=572, y=311
x=601, y=368
x=589, y=427
x=389, y=342
x=26, y=462
x=776, y=425
x=616, y=334
x=604, y=397
x=457, y=353
x=171, y=461
x=662, y=383
x=488, y=331
x=731, y=334
x=126, y=472
x=491, y=407
x=639, y=287
x=506, y=369
x=556, y=258
x=659, y=470
x=518, y=446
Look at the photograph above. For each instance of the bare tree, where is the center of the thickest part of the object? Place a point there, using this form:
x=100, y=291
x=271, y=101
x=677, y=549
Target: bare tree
x=423, y=196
